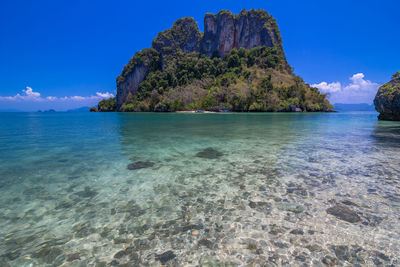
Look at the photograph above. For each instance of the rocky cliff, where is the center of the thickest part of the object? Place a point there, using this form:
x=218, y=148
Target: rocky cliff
x=222, y=32
x=387, y=99
x=225, y=31
x=238, y=62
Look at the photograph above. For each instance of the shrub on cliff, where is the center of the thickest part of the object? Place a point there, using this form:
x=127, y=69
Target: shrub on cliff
x=107, y=105
x=245, y=80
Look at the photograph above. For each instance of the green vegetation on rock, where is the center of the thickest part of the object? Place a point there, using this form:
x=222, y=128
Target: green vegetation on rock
x=107, y=105
x=258, y=79
x=184, y=35
x=387, y=99
x=148, y=57
x=188, y=70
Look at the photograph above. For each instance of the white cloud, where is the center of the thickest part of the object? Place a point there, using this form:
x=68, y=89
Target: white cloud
x=359, y=90
x=30, y=95
x=77, y=98
x=29, y=92
x=31, y=100
x=328, y=87
x=104, y=95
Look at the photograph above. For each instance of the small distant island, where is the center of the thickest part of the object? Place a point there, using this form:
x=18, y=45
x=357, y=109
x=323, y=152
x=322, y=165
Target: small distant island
x=237, y=64
x=387, y=99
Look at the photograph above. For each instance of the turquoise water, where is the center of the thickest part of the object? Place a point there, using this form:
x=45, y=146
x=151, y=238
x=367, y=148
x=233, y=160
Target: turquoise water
x=201, y=189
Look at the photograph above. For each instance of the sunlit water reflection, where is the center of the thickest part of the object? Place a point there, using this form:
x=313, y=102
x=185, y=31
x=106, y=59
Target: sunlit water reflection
x=201, y=189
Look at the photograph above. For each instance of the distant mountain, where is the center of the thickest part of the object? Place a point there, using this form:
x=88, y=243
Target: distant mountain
x=10, y=110
x=353, y=107
x=81, y=109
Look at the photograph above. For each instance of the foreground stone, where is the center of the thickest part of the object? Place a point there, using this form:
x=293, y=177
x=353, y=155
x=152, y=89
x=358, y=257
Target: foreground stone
x=344, y=213
x=140, y=165
x=292, y=207
x=209, y=153
x=165, y=257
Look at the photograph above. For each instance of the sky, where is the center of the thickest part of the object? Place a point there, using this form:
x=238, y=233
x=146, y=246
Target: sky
x=66, y=54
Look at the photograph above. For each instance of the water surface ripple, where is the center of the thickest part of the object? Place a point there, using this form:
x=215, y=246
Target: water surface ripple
x=111, y=189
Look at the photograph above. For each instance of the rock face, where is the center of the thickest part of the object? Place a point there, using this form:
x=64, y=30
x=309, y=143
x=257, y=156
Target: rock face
x=131, y=84
x=225, y=31
x=134, y=73
x=222, y=33
x=387, y=100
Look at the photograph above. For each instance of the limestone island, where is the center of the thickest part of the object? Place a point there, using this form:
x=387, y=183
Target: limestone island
x=237, y=64
x=387, y=99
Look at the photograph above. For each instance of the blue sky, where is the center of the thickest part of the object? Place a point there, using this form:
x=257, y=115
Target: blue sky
x=64, y=50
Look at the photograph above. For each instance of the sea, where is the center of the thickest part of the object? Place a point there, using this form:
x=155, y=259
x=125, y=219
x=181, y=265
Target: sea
x=224, y=189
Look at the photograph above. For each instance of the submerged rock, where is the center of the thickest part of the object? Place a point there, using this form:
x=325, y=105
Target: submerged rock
x=329, y=260
x=166, y=256
x=209, y=153
x=83, y=230
x=12, y=255
x=297, y=232
x=275, y=229
x=293, y=207
x=140, y=165
x=341, y=252
x=74, y=256
x=49, y=253
x=205, y=242
x=314, y=248
x=260, y=206
x=86, y=193
x=371, y=219
x=344, y=213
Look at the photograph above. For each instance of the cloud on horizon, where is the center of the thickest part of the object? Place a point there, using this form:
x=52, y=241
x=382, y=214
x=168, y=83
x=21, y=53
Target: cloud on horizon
x=359, y=90
x=30, y=100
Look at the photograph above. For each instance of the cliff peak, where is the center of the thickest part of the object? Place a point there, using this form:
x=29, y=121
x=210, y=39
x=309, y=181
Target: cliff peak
x=184, y=35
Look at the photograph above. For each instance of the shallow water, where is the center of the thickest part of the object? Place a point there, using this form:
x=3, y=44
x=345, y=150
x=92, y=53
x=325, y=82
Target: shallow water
x=201, y=189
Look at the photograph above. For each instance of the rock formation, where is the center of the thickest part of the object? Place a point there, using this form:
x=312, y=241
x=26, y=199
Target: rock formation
x=134, y=73
x=222, y=33
x=237, y=63
x=225, y=31
x=387, y=99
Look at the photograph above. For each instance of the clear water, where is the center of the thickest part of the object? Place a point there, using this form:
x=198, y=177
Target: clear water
x=214, y=190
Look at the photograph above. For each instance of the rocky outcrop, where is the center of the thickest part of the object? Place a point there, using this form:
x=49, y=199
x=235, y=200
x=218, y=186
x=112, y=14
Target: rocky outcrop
x=225, y=31
x=134, y=73
x=131, y=84
x=222, y=33
x=183, y=36
x=387, y=99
